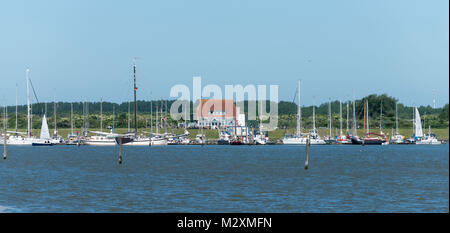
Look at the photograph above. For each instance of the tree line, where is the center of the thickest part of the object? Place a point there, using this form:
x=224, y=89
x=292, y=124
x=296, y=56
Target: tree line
x=437, y=118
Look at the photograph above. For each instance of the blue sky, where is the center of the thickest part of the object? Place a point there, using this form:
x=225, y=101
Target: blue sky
x=81, y=50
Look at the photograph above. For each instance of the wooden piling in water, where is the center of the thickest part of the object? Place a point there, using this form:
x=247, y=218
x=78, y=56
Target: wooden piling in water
x=120, y=150
x=5, y=122
x=306, y=154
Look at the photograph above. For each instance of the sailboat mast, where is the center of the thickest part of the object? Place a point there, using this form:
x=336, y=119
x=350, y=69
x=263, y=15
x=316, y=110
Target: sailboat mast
x=165, y=117
x=414, y=120
x=260, y=115
x=84, y=116
x=156, y=120
x=16, y=106
x=151, y=113
x=54, y=110
x=396, y=120
x=101, y=114
x=381, y=116
x=71, y=118
x=299, y=112
x=185, y=115
x=135, y=103
x=112, y=130
x=329, y=116
x=28, y=106
x=128, y=116
x=347, y=117
x=340, y=116
x=367, y=111
x=314, y=113
x=87, y=116
x=354, y=118
x=364, y=124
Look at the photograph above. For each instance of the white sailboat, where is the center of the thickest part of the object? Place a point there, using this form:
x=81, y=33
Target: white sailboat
x=418, y=134
x=420, y=139
x=342, y=139
x=397, y=138
x=132, y=138
x=314, y=137
x=56, y=139
x=22, y=138
x=72, y=138
x=299, y=138
x=44, y=138
x=157, y=139
x=261, y=137
x=101, y=138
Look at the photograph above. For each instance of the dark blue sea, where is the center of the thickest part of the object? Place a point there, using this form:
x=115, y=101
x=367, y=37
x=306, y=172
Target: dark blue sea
x=393, y=178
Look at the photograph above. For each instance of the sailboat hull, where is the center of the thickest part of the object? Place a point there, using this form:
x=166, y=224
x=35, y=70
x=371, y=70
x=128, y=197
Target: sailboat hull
x=18, y=141
x=42, y=143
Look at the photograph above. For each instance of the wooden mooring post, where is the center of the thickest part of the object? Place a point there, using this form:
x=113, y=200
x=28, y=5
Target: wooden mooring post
x=4, y=135
x=4, y=145
x=120, y=150
x=306, y=153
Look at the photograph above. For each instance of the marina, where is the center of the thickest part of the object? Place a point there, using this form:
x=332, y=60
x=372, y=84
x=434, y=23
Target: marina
x=241, y=108
x=219, y=178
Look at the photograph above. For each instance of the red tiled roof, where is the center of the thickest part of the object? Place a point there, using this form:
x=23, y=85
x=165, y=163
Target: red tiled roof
x=215, y=105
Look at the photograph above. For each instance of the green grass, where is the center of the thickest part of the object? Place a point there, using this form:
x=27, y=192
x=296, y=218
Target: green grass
x=442, y=134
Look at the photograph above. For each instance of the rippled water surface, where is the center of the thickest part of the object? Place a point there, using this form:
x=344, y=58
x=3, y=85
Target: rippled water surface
x=394, y=178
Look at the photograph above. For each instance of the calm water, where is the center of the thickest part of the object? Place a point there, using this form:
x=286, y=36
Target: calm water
x=403, y=178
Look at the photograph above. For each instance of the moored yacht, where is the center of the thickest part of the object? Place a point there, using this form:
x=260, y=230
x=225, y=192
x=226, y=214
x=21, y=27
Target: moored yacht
x=44, y=139
x=101, y=139
x=397, y=138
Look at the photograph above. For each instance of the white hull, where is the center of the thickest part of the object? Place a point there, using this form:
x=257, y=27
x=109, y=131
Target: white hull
x=100, y=142
x=139, y=142
x=18, y=141
x=260, y=142
x=302, y=141
x=428, y=142
x=162, y=142
x=397, y=141
x=344, y=141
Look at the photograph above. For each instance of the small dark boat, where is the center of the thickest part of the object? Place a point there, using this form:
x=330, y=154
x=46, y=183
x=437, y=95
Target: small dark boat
x=235, y=142
x=43, y=143
x=223, y=142
x=373, y=141
x=368, y=140
x=356, y=141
